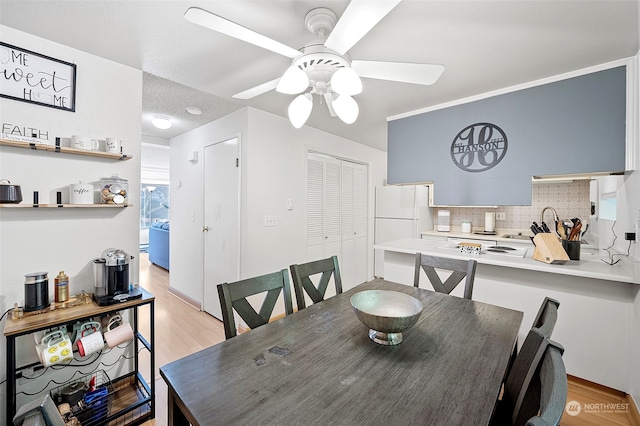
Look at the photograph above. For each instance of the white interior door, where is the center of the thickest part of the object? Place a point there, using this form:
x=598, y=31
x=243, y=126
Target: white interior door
x=221, y=228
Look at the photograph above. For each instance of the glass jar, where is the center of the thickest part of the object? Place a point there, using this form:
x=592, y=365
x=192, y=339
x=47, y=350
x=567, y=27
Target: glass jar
x=114, y=190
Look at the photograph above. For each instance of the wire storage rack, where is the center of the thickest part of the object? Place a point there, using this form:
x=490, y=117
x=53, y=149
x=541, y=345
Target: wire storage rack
x=86, y=399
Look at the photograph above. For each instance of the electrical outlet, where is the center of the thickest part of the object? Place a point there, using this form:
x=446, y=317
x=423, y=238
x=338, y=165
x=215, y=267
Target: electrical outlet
x=630, y=236
x=270, y=221
x=500, y=216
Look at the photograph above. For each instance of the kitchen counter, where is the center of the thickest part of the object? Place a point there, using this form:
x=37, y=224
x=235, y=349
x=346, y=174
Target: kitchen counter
x=589, y=265
x=597, y=301
x=523, y=236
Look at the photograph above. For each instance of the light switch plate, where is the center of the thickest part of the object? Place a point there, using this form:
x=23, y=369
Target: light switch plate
x=501, y=216
x=270, y=221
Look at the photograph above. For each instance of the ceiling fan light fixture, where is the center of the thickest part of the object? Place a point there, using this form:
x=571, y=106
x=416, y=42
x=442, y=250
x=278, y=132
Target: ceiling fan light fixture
x=346, y=81
x=293, y=81
x=346, y=108
x=161, y=122
x=300, y=110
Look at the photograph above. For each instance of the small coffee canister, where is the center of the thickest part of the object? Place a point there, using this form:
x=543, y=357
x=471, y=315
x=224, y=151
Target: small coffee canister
x=81, y=193
x=36, y=291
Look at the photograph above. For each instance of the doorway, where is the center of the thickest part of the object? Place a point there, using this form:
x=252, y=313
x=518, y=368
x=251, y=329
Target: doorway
x=221, y=220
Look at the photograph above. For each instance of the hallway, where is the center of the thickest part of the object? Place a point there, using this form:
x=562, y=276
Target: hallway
x=180, y=330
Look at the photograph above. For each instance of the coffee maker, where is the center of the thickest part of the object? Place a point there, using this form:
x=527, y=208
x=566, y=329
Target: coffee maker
x=111, y=278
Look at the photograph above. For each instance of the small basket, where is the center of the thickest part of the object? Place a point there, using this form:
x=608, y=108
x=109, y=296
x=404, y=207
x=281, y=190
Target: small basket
x=95, y=404
x=469, y=248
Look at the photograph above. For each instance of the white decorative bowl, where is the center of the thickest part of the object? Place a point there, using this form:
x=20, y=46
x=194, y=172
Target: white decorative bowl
x=386, y=313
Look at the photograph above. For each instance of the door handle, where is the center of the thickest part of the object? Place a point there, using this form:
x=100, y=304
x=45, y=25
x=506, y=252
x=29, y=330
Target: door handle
x=205, y=229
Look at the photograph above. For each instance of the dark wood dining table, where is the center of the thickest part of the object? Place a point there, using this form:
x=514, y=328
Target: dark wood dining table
x=318, y=367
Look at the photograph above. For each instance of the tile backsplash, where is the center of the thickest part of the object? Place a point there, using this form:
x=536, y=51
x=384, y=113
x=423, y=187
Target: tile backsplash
x=569, y=199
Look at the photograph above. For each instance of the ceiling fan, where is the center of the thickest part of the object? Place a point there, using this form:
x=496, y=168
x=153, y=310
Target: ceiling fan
x=323, y=67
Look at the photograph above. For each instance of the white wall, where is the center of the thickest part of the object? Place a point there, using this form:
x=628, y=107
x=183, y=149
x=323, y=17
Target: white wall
x=273, y=164
x=108, y=103
x=628, y=215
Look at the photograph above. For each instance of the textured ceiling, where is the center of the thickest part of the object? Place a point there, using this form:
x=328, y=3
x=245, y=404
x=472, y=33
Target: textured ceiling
x=164, y=97
x=484, y=45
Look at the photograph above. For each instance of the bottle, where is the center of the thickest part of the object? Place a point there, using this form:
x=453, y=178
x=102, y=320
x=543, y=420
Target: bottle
x=61, y=287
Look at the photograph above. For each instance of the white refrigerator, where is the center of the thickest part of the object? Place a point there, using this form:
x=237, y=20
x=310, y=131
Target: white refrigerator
x=401, y=212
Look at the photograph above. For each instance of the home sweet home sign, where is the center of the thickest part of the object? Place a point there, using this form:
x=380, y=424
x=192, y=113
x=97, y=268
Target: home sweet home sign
x=31, y=77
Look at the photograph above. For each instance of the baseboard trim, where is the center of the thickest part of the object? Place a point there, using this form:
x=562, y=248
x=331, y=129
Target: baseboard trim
x=633, y=410
x=596, y=386
x=186, y=299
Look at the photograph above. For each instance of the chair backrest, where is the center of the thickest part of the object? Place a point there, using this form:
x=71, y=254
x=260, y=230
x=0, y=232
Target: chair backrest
x=460, y=269
x=302, y=282
x=545, y=322
x=522, y=389
x=554, y=389
x=233, y=296
x=547, y=316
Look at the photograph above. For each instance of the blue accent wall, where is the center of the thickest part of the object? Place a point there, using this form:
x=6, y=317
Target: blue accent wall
x=571, y=126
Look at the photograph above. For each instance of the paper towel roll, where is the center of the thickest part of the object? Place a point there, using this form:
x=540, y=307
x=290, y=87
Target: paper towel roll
x=489, y=221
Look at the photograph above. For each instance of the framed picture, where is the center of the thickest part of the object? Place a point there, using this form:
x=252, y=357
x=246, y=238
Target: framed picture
x=31, y=77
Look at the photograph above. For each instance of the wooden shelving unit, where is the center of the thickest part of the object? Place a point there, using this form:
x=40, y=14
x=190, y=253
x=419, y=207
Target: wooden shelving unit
x=134, y=398
x=64, y=149
x=66, y=206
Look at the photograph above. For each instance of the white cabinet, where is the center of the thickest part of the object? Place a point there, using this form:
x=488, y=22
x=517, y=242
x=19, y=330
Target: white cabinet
x=323, y=207
x=353, y=264
x=337, y=208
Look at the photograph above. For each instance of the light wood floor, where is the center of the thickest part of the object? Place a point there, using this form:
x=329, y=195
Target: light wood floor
x=182, y=330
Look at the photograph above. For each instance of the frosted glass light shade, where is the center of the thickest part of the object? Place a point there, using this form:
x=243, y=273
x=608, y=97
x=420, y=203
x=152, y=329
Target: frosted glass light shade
x=345, y=81
x=293, y=81
x=346, y=108
x=161, y=122
x=300, y=110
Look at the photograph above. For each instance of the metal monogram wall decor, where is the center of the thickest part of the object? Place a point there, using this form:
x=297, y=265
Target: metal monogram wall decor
x=31, y=77
x=479, y=147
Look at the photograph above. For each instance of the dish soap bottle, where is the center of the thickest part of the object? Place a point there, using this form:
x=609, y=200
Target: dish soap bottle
x=61, y=287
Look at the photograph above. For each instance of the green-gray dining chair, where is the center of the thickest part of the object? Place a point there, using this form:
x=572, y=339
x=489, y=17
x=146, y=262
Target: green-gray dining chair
x=233, y=296
x=461, y=269
x=302, y=282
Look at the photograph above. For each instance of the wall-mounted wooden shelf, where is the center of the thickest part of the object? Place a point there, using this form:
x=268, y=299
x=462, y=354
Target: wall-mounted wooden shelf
x=66, y=206
x=64, y=149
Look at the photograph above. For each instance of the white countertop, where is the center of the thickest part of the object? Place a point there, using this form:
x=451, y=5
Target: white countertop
x=589, y=265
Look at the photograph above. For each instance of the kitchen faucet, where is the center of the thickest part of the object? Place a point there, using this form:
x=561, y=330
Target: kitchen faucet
x=555, y=214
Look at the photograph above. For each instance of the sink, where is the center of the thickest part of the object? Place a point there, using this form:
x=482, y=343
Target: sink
x=517, y=237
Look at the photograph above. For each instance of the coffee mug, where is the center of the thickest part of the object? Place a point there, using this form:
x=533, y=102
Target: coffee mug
x=55, y=348
x=117, y=334
x=83, y=142
x=113, y=145
x=91, y=341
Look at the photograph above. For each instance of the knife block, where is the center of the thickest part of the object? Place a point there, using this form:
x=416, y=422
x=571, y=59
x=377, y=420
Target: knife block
x=549, y=249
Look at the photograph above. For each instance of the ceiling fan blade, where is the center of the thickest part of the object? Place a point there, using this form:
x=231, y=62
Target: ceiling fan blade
x=404, y=72
x=224, y=26
x=258, y=90
x=356, y=21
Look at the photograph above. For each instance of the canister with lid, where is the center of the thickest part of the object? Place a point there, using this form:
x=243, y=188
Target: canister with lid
x=114, y=190
x=36, y=291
